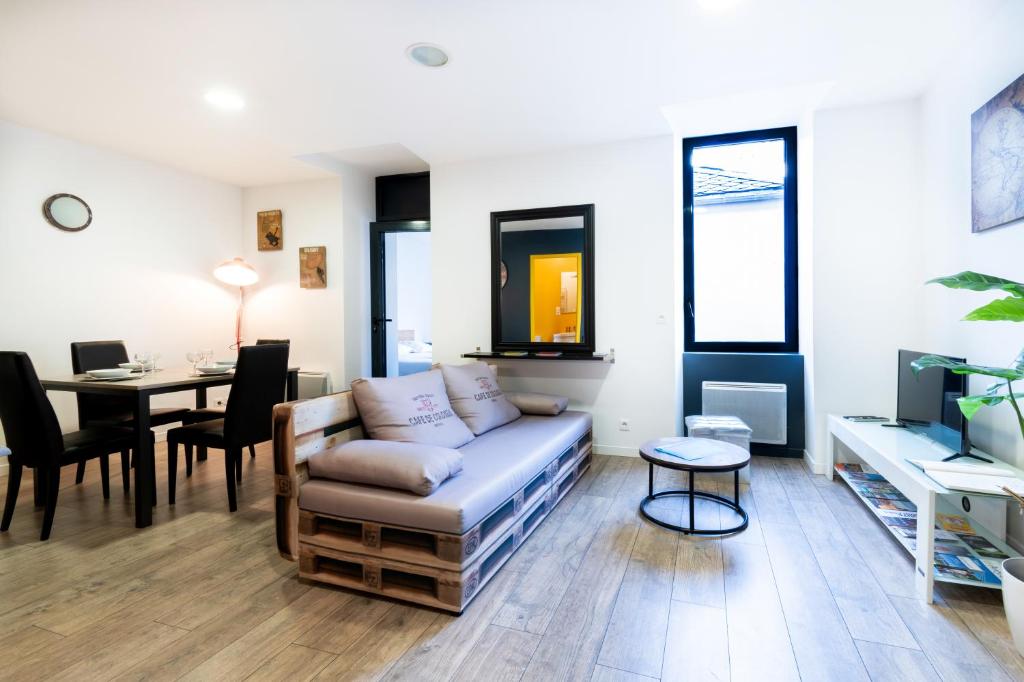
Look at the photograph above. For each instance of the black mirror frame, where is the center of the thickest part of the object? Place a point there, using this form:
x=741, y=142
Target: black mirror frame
x=586, y=211
x=53, y=221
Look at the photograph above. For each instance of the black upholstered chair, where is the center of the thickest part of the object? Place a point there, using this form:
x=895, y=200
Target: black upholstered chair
x=203, y=414
x=258, y=384
x=34, y=437
x=104, y=410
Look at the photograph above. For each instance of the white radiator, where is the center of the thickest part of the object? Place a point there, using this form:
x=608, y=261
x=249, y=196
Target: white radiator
x=314, y=384
x=761, y=406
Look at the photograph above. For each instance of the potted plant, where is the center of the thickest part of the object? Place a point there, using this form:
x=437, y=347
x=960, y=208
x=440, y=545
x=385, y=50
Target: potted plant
x=1008, y=309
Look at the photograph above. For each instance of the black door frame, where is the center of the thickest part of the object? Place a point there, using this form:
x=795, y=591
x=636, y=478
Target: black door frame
x=378, y=288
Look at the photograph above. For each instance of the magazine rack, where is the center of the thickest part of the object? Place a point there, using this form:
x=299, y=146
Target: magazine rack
x=968, y=545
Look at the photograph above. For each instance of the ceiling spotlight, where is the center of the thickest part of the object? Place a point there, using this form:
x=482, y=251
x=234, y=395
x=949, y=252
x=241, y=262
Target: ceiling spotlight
x=426, y=54
x=225, y=100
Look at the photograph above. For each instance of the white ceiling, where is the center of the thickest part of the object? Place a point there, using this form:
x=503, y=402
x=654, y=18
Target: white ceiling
x=322, y=77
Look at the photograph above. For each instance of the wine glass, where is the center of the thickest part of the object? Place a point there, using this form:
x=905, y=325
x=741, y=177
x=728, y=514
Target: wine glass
x=208, y=357
x=194, y=357
x=143, y=358
x=156, y=359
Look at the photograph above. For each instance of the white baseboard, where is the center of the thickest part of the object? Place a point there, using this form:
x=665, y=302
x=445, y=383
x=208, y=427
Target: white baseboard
x=814, y=465
x=617, y=450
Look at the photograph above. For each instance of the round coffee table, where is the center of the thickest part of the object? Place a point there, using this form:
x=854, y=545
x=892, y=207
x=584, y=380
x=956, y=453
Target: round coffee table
x=709, y=456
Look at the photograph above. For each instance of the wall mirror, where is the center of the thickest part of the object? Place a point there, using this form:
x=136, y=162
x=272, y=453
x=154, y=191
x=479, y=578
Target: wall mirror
x=67, y=212
x=542, y=281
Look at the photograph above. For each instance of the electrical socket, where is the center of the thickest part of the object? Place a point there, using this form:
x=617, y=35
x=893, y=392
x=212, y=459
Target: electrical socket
x=623, y=424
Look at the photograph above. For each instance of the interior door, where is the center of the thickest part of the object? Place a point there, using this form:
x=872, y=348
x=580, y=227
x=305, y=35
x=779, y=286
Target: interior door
x=384, y=332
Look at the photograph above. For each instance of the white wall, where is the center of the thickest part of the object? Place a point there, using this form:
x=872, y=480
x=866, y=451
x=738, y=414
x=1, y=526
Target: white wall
x=631, y=185
x=991, y=59
x=141, y=272
x=276, y=307
x=867, y=268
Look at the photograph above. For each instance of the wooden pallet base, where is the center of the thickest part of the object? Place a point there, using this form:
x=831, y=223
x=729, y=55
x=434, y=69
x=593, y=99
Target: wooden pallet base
x=433, y=569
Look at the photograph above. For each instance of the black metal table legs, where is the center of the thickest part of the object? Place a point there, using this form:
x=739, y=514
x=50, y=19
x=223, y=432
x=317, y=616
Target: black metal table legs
x=692, y=494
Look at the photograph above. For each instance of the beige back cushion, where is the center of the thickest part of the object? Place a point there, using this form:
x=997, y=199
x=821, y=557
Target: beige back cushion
x=476, y=397
x=412, y=409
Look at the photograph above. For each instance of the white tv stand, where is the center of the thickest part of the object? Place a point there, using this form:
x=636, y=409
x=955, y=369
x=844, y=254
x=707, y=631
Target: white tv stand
x=886, y=451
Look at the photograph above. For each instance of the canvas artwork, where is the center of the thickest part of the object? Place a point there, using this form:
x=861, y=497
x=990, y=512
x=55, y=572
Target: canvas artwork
x=313, y=267
x=269, y=231
x=997, y=159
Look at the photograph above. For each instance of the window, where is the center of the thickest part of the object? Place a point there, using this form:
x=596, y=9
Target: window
x=739, y=235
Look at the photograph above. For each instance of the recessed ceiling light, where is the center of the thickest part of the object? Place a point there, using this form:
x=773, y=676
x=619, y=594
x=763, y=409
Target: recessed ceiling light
x=225, y=100
x=426, y=54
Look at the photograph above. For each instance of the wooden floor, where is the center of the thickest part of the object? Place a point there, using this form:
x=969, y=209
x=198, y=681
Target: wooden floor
x=814, y=589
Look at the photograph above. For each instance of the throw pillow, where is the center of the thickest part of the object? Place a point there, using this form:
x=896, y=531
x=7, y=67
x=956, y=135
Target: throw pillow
x=476, y=396
x=415, y=467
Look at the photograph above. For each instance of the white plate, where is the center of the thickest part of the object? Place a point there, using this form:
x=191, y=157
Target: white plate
x=108, y=373
x=136, y=366
x=213, y=369
x=226, y=363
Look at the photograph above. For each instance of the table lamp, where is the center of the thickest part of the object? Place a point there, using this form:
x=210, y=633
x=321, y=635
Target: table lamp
x=237, y=272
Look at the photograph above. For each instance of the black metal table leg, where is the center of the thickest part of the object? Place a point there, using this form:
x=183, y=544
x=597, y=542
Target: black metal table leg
x=691, y=502
x=650, y=478
x=200, y=403
x=145, y=475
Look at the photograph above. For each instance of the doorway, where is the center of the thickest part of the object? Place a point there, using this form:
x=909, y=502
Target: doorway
x=400, y=297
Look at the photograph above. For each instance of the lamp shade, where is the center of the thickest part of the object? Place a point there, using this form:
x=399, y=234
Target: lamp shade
x=236, y=272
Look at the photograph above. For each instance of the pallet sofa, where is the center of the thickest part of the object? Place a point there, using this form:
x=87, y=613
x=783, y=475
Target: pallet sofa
x=439, y=550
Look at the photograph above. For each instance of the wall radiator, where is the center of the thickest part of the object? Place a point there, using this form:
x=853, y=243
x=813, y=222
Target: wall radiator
x=761, y=406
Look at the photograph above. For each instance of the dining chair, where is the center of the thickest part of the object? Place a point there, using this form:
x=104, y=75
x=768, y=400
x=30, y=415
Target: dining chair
x=266, y=342
x=258, y=384
x=34, y=438
x=104, y=410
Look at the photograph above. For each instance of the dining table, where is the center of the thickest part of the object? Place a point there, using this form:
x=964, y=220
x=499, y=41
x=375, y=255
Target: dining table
x=140, y=389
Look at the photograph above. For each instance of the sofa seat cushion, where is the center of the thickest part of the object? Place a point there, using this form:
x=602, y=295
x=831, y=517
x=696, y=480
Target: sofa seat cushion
x=538, y=403
x=412, y=409
x=476, y=397
x=494, y=467
x=415, y=467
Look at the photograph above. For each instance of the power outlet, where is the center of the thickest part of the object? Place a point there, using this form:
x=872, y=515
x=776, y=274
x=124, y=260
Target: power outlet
x=623, y=425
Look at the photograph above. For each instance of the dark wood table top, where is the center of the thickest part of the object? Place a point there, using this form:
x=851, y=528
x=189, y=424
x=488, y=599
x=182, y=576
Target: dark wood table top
x=715, y=455
x=161, y=381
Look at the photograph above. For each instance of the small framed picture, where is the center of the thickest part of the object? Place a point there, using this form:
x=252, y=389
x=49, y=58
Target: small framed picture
x=269, y=231
x=313, y=267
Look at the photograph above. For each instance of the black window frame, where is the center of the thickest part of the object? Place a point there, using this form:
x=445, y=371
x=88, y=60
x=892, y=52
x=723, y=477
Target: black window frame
x=791, y=344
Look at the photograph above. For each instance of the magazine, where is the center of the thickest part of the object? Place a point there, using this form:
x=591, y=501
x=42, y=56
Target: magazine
x=965, y=568
x=890, y=513
x=955, y=523
x=983, y=547
x=893, y=505
x=994, y=565
x=952, y=548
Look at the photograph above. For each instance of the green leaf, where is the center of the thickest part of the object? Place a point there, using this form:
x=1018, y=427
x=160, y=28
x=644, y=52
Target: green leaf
x=927, y=361
x=1008, y=309
x=974, y=281
x=970, y=404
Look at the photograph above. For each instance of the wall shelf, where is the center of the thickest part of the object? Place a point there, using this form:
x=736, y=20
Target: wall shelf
x=608, y=357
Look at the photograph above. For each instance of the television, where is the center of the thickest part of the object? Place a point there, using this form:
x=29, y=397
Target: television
x=926, y=403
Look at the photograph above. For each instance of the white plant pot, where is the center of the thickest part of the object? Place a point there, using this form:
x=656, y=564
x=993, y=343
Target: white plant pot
x=1013, y=599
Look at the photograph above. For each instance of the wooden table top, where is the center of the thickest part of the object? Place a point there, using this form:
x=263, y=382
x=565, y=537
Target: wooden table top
x=715, y=455
x=171, y=378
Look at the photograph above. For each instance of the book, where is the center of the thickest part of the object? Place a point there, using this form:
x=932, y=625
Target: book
x=964, y=568
x=892, y=505
x=548, y=354
x=971, y=478
x=678, y=452
x=515, y=353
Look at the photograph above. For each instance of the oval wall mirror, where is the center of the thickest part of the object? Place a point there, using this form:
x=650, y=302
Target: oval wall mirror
x=67, y=212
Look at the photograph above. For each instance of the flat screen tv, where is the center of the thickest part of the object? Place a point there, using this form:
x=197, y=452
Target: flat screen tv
x=926, y=403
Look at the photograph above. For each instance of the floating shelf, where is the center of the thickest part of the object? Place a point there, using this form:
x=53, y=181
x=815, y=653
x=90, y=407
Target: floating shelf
x=608, y=357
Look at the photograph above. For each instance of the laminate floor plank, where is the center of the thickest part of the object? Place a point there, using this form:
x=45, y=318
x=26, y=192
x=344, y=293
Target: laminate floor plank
x=697, y=645
x=947, y=642
x=759, y=640
x=822, y=645
x=769, y=494
x=500, y=655
x=895, y=664
x=605, y=674
x=988, y=623
x=294, y=663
